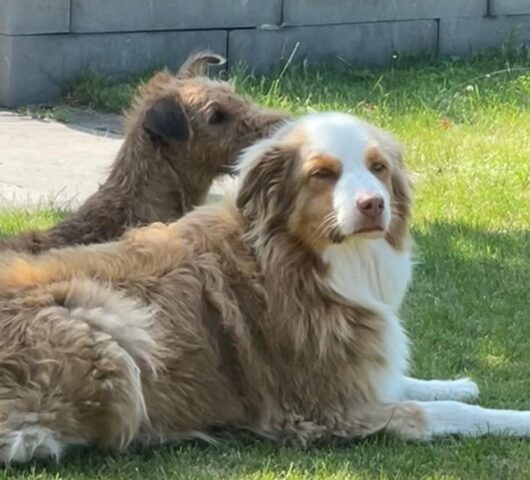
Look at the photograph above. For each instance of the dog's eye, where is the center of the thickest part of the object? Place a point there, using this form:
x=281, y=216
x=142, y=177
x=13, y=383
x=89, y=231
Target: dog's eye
x=378, y=167
x=217, y=117
x=324, y=174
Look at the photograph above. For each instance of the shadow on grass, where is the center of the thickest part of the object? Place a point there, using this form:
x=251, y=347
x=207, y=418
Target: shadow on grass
x=469, y=297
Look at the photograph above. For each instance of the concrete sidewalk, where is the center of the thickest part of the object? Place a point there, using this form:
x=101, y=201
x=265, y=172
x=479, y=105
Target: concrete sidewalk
x=43, y=161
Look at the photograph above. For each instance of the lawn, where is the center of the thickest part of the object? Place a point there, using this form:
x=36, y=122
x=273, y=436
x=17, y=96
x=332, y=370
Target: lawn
x=466, y=128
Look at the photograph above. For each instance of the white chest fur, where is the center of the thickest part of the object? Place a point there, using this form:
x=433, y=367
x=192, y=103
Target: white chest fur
x=370, y=273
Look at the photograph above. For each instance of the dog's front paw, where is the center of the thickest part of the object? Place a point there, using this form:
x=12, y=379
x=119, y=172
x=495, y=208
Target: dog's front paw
x=461, y=390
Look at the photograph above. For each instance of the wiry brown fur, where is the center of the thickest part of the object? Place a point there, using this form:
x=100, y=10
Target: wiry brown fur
x=224, y=317
x=169, y=158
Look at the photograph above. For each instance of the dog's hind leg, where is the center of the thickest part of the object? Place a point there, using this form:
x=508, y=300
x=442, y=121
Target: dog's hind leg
x=34, y=423
x=462, y=389
x=71, y=373
x=27, y=442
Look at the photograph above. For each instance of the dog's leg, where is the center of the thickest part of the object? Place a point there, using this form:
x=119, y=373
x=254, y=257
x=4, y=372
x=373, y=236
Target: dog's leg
x=429, y=420
x=75, y=375
x=462, y=389
x=455, y=418
x=27, y=442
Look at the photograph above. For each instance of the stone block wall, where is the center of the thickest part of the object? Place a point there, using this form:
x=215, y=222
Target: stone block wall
x=46, y=43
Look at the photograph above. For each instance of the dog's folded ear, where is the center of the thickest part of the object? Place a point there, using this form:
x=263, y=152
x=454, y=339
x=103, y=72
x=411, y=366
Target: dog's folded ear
x=197, y=65
x=167, y=119
x=262, y=187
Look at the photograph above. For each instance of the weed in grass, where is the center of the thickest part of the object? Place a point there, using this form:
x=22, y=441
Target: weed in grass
x=59, y=113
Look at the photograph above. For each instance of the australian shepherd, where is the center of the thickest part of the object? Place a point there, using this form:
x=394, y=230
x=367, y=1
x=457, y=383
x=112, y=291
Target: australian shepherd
x=274, y=311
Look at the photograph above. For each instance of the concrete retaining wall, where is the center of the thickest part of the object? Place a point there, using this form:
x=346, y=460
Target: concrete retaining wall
x=46, y=43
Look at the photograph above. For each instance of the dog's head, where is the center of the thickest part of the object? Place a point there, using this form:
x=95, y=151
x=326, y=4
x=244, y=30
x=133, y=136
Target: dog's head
x=324, y=179
x=198, y=123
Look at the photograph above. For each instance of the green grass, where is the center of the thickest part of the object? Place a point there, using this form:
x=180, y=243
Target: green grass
x=14, y=221
x=466, y=128
x=59, y=113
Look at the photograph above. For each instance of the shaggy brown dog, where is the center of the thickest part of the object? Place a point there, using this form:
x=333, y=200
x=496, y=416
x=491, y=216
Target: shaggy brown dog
x=274, y=312
x=182, y=131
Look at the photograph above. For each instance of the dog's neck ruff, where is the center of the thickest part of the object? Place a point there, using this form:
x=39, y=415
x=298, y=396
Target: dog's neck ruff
x=373, y=275
x=369, y=273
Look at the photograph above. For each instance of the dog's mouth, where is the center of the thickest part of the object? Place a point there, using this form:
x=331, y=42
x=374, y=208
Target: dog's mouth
x=336, y=236
x=372, y=229
x=369, y=231
x=369, y=227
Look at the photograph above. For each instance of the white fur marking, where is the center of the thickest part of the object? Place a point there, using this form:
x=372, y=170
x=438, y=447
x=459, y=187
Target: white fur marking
x=346, y=138
x=22, y=445
x=370, y=273
x=455, y=418
x=462, y=390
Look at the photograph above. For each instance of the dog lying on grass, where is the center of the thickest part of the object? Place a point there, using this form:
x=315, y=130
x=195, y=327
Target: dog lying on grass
x=182, y=132
x=274, y=311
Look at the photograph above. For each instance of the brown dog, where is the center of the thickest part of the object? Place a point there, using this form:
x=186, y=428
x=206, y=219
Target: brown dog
x=274, y=312
x=182, y=131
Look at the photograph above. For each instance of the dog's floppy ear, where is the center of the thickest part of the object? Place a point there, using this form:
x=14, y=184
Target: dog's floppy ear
x=266, y=190
x=197, y=65
x=400, y=180
x=401, y=184
x=402, y=193
x=166, y=118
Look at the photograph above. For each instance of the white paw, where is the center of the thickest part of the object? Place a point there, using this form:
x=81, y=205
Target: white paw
x=461, y=390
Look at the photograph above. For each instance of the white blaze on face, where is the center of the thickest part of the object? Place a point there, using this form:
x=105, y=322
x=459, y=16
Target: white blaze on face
x=345, y=138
